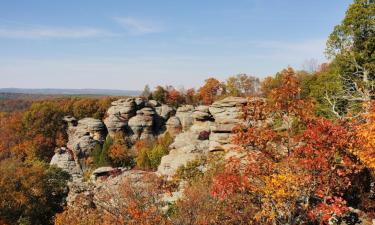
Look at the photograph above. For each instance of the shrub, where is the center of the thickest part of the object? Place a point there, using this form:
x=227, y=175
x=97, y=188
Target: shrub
x=119, y=156
x=150, y=154
x=191, y=171
x=100, y=155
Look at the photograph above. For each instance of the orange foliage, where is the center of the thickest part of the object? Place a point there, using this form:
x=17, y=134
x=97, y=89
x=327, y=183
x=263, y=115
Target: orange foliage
x=210, y=90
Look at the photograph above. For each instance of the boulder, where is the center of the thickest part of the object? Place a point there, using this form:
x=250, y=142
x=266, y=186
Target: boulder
x=228, y=110
x=119, y=114
x=64, y=160
x=84, y=137
x=185, y=115
x=141, y=125
x=165, y=111
x=185, y=148
x=174, y=126
x=201, y=113
x=153, y=103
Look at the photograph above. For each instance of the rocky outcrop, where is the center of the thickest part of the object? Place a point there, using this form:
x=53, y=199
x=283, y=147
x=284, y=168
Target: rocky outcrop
x=206, y=129
x=83, y=137
x=185, y=115
x=135, y=118
x=141, y=125
x=198, y=132
x=64, y=159
x=185, y=148
x=119, y=114
x=227, y=114
x=174, y=126
x=110, y=194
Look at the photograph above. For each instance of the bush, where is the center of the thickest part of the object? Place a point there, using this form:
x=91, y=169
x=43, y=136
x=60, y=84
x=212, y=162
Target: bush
x=119, y=156
x=150, y=154
x=31, y=192
x=100, y=155
x=192, y=171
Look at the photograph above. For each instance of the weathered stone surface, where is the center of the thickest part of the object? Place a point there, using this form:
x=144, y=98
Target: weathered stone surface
x=185, y=115
x=228, y=110
x=165, y=111
x=83, y=138
x=174, y=126
x=201, y=113
x=139, y=102
x=200, y=126
x=171, y=162
x=223, y=128
x=184, y=149
x=119, y=114
x=222, y=138
x=141, y=125
x=153, y=103
x=64, y=160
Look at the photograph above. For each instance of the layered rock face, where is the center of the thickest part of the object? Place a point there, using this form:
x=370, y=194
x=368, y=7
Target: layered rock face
x=207, y=129
x=132, y=119
x=135, y=118
x=83, y=136
x=198, y=131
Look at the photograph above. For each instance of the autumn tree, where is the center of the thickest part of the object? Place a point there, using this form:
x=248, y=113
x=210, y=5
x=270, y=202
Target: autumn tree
x=288, y=106
x=160, y=94
x=30, y=192
x=242, y=85
x=174, y=97
x=211, y=89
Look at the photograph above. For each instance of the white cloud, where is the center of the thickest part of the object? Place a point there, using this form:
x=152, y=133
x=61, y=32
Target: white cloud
x=137, y=26
x=53, y=32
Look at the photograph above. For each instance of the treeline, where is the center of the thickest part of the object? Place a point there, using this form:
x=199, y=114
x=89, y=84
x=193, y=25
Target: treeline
x=213, y=89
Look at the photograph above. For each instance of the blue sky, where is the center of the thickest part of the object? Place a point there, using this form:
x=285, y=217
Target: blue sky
x=124, y=44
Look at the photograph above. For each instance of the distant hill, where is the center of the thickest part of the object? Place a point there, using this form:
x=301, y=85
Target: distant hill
x=52, y=91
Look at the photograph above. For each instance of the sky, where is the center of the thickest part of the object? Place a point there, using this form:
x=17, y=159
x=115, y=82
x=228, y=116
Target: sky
x=125, y=44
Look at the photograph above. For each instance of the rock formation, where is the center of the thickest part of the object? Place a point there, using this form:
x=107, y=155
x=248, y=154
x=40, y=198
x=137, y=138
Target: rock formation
x=217, y=120
x=198, y=131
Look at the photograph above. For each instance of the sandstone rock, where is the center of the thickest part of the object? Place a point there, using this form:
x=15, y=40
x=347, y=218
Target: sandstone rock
x=200, y=126
x=119, y=114
x=223, y=128
x=140, y=102
x=83, y=139
x=228, y=110
x=185, y=115
x=221, y=138
x=141, y=125
x=171, y=162
x=64, y=160
x=185, y=148
x=165, y=111
x=201, y=113
x=153, y=103
x=173, y=126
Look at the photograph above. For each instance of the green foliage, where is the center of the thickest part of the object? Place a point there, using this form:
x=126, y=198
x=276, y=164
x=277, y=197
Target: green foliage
x=192, y=171
x=100, y=155
x=352, y=43
x=242, y=85
x=149, y=156
x=160, y=94
x=146, y=91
